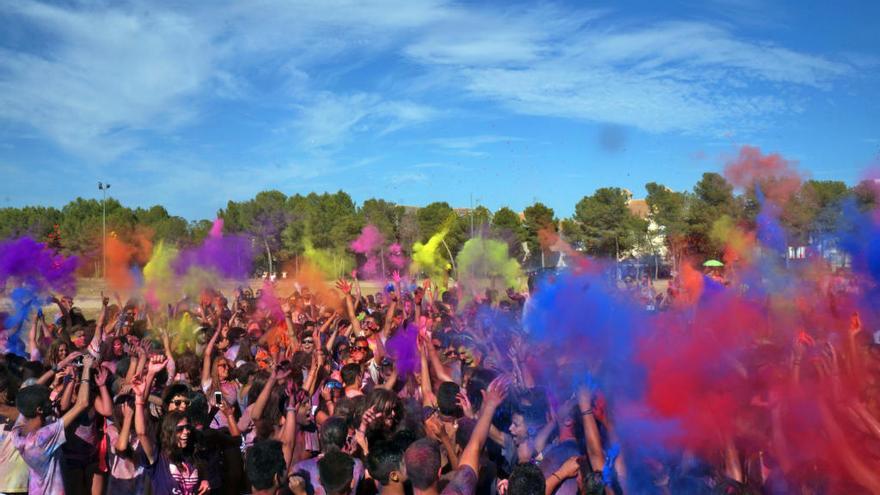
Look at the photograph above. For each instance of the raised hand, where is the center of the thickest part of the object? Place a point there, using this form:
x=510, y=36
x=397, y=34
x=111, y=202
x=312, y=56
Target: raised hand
x=343, y=286
x=569, y=468
x=434, y=428
x=157, y=363
x=101, y=377
x=855, y=323
x=139, y=387
x=497, y=391
x=462, y=400
x=69, y=359
x=369, y=417
x=395, y=276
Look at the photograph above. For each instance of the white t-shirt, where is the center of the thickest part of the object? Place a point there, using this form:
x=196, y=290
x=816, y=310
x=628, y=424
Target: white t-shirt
x=13, y=470
x=41, y=451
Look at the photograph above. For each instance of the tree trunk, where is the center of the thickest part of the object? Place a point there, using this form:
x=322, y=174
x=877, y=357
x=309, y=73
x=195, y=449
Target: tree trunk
x=269, y=257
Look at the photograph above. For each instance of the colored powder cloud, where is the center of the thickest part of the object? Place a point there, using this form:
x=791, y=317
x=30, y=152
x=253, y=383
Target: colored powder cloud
x=427, y=257
x=396, y=258
x=159, y=275
x=369, y=244
x=403, y=348
x=227, y=256
x=35, y=272
x=774, y=174
x=485, y=263
x=332, y=263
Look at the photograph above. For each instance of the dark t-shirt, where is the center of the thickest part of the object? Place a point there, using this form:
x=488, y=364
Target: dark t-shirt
x=168, y=478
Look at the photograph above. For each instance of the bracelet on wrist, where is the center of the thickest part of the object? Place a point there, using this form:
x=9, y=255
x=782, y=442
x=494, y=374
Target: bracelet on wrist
x=588, y=412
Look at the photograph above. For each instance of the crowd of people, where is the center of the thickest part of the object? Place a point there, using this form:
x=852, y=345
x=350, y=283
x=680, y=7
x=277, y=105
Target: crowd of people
x=410, y=390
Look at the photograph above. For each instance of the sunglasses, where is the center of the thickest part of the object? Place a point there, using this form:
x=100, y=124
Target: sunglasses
x=180, y=402
x=363, y=348
x=181, y=428
x=308, y=341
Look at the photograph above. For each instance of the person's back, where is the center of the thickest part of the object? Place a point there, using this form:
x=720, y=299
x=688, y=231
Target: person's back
x=336, y=473
x=334, y=433
x=526, y=479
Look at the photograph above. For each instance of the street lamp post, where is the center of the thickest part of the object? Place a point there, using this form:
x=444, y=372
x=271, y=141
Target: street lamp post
x=103, y=188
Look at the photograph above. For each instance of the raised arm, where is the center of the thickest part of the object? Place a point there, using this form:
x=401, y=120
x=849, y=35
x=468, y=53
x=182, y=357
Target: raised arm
x=288, y=434
x=33, y=348
x=428, y=398
x=65, y=312
x=170, y=365
x=82, y=398
x=122, y=442
x=345, y=288
x=209, y=350
x=140, y=389
x=591, y=429
x=492, y=398
x=103, y=402
x=357, y=285
x=263, y=398
x=437, y=366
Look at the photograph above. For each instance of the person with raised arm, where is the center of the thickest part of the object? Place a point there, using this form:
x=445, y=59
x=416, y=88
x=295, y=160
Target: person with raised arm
x=38, y=437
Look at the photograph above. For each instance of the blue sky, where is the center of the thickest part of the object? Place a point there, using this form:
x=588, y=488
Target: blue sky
x=188, y=104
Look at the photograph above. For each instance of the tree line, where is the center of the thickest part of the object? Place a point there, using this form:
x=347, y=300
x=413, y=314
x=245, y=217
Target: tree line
x=602, y=224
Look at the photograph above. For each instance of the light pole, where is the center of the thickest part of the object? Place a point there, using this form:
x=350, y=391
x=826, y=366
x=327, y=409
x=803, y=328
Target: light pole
x=103, y=188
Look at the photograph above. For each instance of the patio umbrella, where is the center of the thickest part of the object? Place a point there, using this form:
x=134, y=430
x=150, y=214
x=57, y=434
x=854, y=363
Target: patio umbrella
x=713, y=263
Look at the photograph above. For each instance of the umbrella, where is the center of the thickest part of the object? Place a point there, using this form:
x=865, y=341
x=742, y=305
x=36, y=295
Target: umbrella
x=713, y=263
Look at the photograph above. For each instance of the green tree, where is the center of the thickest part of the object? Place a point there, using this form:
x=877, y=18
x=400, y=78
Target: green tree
x=713, y=198
x=605, y=224
x=668, y=210
x=537, y=217
x=865, y=195
x=34, y=221
x=507, y=225
x=171, y=229
x=432, y=218
x=386, y=216
x=263, y=219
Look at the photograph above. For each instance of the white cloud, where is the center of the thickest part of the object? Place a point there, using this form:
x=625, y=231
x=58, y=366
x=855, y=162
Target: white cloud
x=469, y=145
x=329, y=120
x=97, y=77
x=104, y=72
x=407, y=177
x=673, y=76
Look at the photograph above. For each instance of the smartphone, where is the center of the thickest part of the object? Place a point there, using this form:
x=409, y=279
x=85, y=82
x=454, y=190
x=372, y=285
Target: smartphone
x=218, y=398
x=314, y=410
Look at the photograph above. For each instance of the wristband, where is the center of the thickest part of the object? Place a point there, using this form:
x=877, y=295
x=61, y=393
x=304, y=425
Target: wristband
x=588, y=412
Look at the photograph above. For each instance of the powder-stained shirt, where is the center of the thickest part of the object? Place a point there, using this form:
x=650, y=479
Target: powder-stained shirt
x=463, y=482
x=311, y=466
x=173, y=479
x=13, y=470
x=41, y=451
